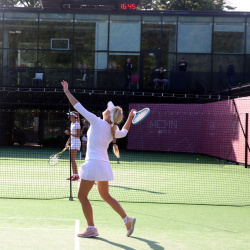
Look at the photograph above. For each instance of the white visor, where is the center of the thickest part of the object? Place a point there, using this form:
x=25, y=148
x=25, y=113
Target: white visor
x=71, y=113
x=111, y=106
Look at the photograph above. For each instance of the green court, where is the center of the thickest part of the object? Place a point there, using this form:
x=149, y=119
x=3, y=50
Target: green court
x=166, y=192
x=53, y=224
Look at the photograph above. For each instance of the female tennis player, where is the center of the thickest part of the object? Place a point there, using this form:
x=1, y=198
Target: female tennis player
x=74, y=141
x=97, y=166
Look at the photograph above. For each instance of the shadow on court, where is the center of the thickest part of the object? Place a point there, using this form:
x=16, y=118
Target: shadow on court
x=136, y=189
x=152, y=244
x=113, y=243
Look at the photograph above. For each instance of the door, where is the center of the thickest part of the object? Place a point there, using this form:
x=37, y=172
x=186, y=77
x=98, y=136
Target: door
x=150, y=61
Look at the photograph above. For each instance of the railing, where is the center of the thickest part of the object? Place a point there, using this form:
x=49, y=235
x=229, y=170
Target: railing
x=179, y=82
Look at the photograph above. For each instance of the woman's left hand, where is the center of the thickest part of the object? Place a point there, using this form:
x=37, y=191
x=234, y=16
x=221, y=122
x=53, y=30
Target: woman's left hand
x=65, y=86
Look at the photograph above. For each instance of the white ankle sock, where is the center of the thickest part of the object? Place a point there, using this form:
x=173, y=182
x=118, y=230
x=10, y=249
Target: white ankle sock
x=125, y=219
x=91, y=227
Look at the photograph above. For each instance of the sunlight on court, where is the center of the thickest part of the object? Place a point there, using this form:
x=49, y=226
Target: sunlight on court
x=39, y=233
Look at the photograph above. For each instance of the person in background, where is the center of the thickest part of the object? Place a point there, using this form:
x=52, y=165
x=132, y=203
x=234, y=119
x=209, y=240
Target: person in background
x=74, y=141
x=182, y=65
x=84, y=131
x=160, y=78
x=128, y=72
x=231, y=74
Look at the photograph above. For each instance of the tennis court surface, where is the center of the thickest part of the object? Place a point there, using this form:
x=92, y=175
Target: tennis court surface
x=183, y=173
x=53, y=224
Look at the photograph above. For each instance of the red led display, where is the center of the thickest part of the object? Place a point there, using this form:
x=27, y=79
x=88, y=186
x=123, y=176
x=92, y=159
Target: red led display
x=127, y=6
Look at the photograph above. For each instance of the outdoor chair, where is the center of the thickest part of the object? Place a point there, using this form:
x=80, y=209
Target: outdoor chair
x=81, y=80
x=38, y=80
x=134, y=80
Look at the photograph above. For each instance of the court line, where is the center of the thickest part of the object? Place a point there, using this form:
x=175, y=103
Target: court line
x=30, y=218
x=77, y=242
x=32, y=228
x=77, y=226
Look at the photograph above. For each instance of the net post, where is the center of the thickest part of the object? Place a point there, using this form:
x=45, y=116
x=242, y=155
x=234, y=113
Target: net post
x=70, y=181
x=246, y=143
x=70, y=171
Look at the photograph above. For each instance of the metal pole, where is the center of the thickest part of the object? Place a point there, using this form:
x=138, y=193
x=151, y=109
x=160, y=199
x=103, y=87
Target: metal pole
x=70, y=181
x=246, y=143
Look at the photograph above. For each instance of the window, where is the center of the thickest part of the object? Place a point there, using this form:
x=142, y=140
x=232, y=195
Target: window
x=53, y=25
x=248, y=37
x=59, y=44
x=125, y=33
x=169, y=34
x=228, y=35
x=21, y=29
x=55, y=59
x=151, y=33
x=1, y=32
x=91, y=32
x=195, y=35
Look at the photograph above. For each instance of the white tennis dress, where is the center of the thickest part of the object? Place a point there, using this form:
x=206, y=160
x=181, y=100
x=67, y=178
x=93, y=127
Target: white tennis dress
x=75, y=142
x=97, y=166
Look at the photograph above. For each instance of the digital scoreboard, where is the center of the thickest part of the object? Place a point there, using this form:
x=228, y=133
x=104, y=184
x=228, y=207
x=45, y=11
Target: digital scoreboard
x=127, y=5
x=91, y=5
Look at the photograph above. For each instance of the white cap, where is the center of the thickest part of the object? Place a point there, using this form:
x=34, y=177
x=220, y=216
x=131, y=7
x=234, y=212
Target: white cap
x=71, y=113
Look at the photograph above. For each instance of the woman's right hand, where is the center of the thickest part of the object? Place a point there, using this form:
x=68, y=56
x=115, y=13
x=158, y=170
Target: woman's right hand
x=132, y=113
x=65, y=86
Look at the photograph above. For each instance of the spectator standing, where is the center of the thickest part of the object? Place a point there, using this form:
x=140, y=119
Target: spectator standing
x=182, y=65
x=128, y=72
x=231, y=74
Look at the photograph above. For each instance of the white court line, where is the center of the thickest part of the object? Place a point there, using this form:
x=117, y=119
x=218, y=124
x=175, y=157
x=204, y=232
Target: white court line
x=30, y=218
x=32, y=228
x=77, y=225
x=77, y=242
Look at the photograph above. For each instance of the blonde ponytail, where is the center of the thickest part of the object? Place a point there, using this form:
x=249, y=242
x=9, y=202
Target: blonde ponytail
x=114, y=127
x=117, y=116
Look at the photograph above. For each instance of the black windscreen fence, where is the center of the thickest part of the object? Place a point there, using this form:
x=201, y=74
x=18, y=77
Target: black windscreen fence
x=187, y=151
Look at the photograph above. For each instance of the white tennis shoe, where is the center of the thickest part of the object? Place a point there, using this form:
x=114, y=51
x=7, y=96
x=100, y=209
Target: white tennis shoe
x=130, y=225
x=88, y=233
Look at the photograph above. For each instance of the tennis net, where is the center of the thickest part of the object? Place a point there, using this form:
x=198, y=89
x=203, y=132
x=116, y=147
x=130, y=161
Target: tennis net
x=183, y=152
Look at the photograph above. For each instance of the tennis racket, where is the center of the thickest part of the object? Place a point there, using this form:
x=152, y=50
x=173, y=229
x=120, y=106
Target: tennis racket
x=140, y=115
x=54, y=159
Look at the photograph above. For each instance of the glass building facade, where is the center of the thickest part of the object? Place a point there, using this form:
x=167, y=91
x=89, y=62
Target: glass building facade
x=90, y=49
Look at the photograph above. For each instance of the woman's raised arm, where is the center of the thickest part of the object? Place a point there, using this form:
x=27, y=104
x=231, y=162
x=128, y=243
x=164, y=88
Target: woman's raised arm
x=71, y=98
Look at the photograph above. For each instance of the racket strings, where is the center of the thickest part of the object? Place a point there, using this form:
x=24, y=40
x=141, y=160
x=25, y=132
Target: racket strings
x=54, y=159
x=140, y=115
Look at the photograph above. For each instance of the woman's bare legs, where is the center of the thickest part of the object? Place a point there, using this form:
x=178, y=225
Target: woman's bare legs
x=85, y=187
x=103, y=188
x=73, y=153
